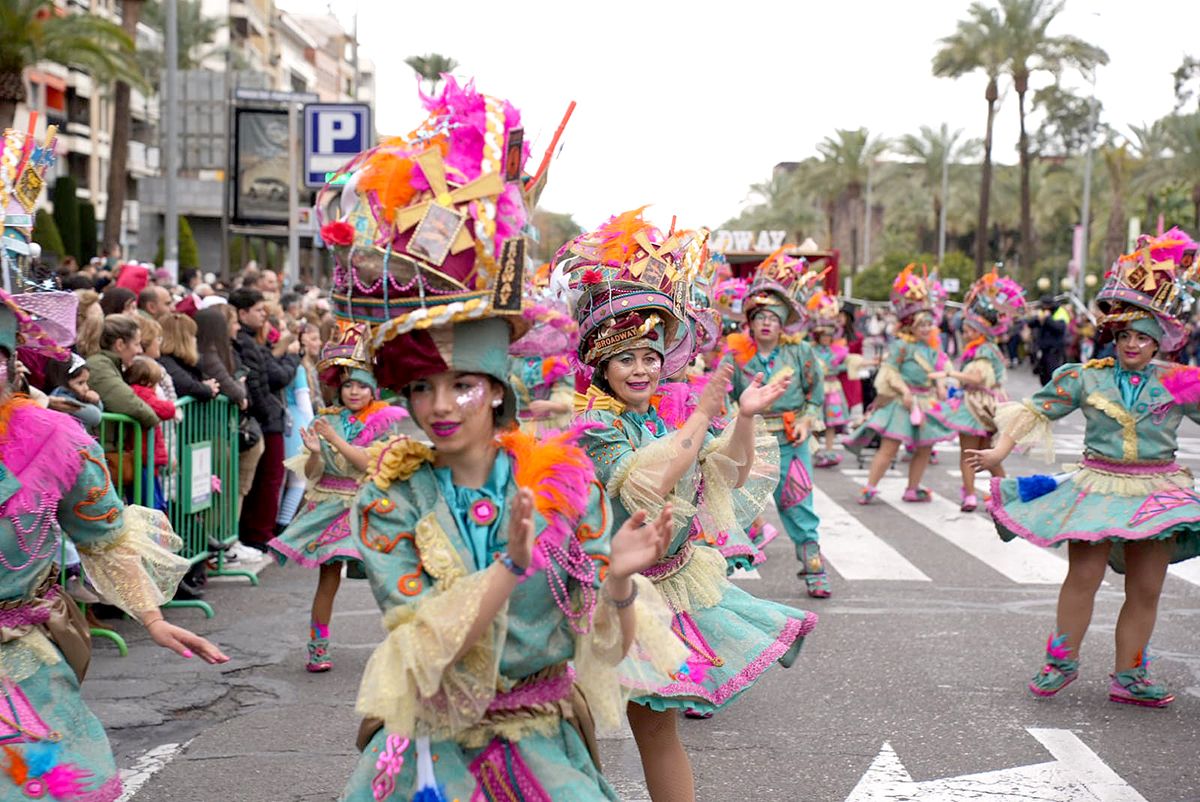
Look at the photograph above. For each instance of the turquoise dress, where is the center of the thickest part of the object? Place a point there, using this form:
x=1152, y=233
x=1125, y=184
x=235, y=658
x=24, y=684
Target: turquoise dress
x=498, y=721
x=320, y=532
x=535, y=378
x=1127, y=486
x=804, y=398
x=908, y=365
x=732, y=637
x=974, y=411
x=833, y=364
x=53, y=482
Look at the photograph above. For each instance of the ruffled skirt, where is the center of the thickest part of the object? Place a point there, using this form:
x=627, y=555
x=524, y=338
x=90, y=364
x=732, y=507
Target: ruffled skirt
x=837, y=411
x=732, y=637
x=1102, y=501
x=320, y=533
x=894, y=422
x=559, y=762
x=973, y=413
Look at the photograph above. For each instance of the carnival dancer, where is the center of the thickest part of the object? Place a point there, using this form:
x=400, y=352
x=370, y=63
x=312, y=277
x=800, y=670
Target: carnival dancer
x=771, y=305
x=907, y=387
x=334, y=461
x=824, y=311
x=55, y=489
x=484, y=551
x=988, y=311
x=631, y=282
x=540, y=364
x=1128, y=503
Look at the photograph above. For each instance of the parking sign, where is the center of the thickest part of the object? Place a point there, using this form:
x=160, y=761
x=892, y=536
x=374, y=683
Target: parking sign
x=333, y=134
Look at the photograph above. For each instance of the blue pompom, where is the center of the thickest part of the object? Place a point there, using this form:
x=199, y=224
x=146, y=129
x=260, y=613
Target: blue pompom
x=41, y=757
x=953, y=393
x=429, y=795
x=1036, y=486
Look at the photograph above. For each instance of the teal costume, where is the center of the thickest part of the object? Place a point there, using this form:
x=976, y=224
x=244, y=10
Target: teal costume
x=321, y=531
x=535, y=378
x=1128, y=486
x=908, y=365
x=804, y=398
x=499, y=720
x=974, y=411
x=731, y=636
x=53, y=482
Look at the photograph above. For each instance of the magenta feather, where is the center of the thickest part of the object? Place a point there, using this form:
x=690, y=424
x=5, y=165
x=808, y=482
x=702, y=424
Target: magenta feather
x=41, y=448
x=1183, y=383
x=1056, y=647
x=378, y=423
x=66, y=781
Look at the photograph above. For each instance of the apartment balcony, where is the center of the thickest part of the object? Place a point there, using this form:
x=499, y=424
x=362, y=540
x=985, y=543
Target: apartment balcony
x=144, y=160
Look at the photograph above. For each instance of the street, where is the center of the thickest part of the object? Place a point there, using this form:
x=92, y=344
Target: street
x=911, y=687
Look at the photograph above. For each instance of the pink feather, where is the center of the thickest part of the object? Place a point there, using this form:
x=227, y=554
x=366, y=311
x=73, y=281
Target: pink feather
x=1056, y=647
x=41, y=448
x=378, y=423
x=673, y=406
x=66, y=781
x=1183, y=383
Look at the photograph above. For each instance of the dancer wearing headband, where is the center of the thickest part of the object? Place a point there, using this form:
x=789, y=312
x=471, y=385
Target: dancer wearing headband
x=334, y=462
x=774, y=302
x=629, y=283
x=488, y=551
x=908, y=385
x=1128, y=504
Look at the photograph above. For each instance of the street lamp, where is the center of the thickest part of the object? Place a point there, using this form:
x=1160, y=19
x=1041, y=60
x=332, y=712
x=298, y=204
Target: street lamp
x=1043, y=283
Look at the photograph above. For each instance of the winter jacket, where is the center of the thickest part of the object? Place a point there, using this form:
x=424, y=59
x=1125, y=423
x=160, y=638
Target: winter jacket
x=163, y=410
x=266, y=377
x=105, y=377
x=85, y=413
x=231, y=388
x=187, y=378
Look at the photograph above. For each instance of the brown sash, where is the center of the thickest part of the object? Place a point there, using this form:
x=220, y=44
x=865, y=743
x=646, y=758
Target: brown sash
x=64, y=624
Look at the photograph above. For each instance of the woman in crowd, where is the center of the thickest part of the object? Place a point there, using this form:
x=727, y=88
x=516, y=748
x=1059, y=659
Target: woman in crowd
x=89, y=323
x=181, y=359
x=990, y=306
x=334, y=460
x=907, y=388
x=120, y=342
x=302, y=397
x=1129, y=504
x=629, y=334
x=118, y=301
x=485, y=551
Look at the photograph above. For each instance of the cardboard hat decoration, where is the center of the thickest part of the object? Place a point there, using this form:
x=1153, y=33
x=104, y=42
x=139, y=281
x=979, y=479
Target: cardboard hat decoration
x=824, y=311
x=781, y=284
x=23, y=165
x=1153, y=289
x=910, y=294
x=347, y=356
x=552, y=332
x=20, y=330
x=629, y=285
x=992, y=303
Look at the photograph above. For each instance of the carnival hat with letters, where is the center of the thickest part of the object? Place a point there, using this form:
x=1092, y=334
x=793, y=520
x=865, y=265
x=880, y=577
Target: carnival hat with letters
x=629, y=285
x=911, y=293
x=992, y=303
x=780, y=285
x=1152, y=289
x=347, y=356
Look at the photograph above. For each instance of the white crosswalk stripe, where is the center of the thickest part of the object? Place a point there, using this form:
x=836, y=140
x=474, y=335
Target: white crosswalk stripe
x=1020, y=561
x=854, y=551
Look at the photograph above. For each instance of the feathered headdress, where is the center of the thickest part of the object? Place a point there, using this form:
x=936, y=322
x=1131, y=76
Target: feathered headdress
x=910, y=293
x=1153, y=289
x=629, y=284
x=824, y=311
x=992, y=303
x=783, y=284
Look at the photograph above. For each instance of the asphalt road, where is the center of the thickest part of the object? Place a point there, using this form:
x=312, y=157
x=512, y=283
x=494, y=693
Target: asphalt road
x=926, y=646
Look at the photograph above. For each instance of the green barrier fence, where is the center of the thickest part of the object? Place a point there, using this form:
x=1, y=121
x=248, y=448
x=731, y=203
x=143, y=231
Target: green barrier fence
x=202, y=485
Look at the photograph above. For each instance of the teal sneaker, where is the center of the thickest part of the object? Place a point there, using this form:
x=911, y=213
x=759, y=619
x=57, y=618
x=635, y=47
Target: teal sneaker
x=318, y=656
x=1054, y=676
x=1133, y=687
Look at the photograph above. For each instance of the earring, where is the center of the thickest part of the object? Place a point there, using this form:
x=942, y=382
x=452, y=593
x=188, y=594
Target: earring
x=496, y=402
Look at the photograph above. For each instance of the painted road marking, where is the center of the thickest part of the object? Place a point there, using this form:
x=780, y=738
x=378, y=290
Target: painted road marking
x=745, y=573
x=1188, y=571
x=1076, y=774
x=1019, y=560
x=854, y=550
x=145, y=767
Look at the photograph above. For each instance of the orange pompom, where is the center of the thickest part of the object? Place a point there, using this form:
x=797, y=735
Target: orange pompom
x=742, y=347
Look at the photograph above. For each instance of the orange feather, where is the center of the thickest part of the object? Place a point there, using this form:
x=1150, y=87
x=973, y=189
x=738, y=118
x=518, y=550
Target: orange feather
x=742, y=346
x=16, y=768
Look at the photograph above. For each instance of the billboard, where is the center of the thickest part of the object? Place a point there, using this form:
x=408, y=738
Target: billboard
x=260, y=166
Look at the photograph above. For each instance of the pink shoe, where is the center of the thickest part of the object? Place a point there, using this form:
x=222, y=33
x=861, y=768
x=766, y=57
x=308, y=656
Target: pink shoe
x=969, y=503
x=769, y=533
x=916, y=494
x=867, y=495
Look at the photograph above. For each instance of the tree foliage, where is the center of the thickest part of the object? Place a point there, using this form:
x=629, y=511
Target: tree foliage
x=87, y=232
x=45, y=233
x=430, y=67
x=66, y=214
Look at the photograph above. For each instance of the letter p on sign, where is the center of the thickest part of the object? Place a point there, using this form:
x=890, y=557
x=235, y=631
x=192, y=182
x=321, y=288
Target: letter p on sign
x=334, y=133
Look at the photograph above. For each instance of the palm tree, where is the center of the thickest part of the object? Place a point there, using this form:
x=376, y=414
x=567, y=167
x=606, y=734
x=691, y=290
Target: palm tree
x=1119, y=163
x=782, y=203
x=1184, y=136
x=978, y=44
x=847, y=163
x=131, y=12
x=1151, y=146
x=1031, y=48
x=196, y=32
x=36, y=30
x=431, y=67
x=934, y=152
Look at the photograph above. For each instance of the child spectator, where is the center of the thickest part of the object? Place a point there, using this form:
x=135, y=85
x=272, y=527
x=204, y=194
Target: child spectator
x=144, y=375
x=85, y=403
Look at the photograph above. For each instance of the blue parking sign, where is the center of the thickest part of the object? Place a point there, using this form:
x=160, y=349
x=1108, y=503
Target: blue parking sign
x=333, y=134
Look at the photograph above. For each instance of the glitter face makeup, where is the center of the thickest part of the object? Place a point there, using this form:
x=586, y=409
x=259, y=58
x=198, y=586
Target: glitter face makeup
x=454, y=409
x=471, y=397
x=634, y=376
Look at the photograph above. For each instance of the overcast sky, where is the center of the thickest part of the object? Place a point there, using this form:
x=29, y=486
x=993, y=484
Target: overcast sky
x=685, y=105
